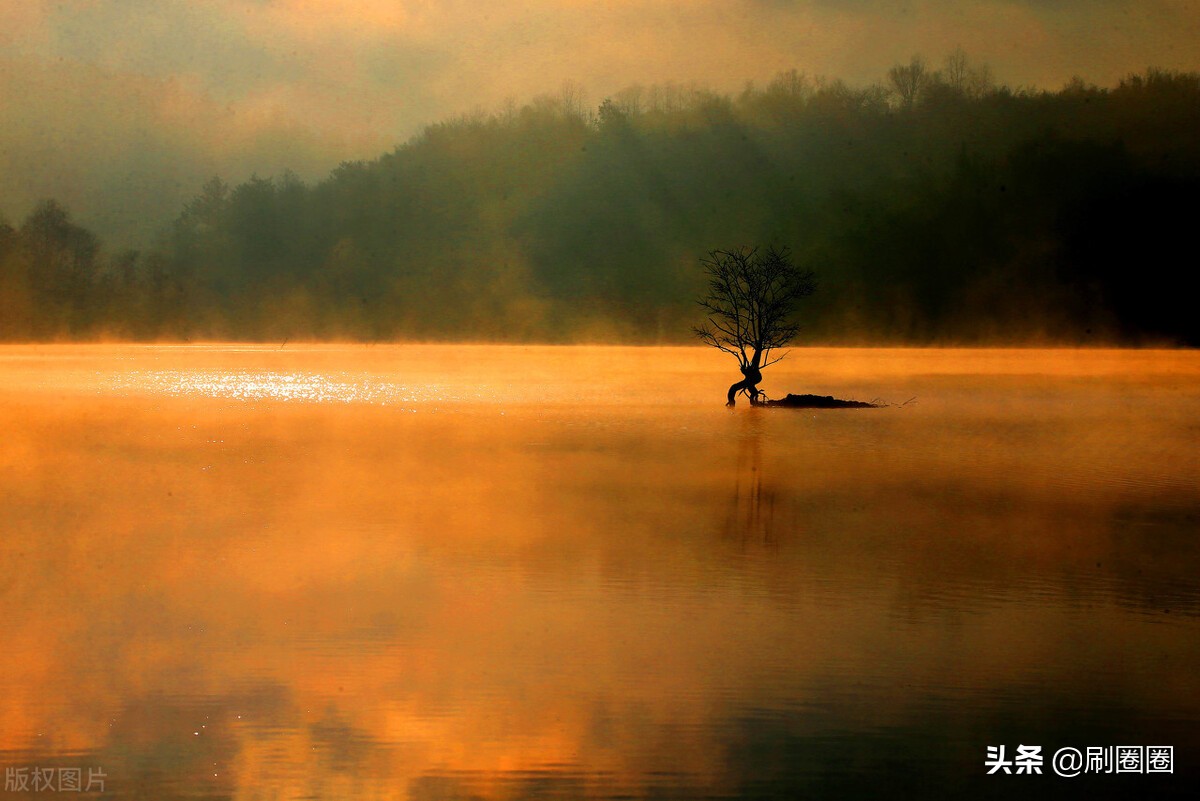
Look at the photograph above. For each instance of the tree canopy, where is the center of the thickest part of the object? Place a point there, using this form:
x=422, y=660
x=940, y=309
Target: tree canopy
x=751, y=301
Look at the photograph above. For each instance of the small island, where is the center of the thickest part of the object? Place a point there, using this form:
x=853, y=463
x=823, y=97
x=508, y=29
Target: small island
x=817, y=402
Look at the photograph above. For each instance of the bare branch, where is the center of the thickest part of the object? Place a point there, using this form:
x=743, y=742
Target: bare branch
x=752, y=295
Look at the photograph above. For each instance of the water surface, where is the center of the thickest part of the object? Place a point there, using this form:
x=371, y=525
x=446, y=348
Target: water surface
x=504, y=572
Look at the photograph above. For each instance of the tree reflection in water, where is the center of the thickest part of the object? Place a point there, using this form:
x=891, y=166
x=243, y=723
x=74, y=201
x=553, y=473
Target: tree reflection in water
x=752, y=509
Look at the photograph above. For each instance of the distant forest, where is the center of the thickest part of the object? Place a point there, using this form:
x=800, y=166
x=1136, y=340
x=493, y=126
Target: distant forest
x=934, y=207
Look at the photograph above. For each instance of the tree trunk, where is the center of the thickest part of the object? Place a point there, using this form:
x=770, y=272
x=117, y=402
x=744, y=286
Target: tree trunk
x=751, y=375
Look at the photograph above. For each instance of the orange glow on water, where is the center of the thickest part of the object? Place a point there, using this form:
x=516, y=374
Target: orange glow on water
x=364, y=569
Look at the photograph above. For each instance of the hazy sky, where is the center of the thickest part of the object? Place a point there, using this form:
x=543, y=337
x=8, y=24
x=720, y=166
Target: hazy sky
x=116, y=106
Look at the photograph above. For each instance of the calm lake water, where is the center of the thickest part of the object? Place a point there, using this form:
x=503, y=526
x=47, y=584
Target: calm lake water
x=437, y=572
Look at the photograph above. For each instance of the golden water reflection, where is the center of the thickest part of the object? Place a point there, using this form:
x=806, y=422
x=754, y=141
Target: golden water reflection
x=438, y=572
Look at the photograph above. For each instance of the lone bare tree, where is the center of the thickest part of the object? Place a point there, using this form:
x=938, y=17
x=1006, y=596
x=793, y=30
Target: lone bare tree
x=751, y=298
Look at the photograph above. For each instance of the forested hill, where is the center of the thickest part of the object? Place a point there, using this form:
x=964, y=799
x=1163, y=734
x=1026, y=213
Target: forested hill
x=939, y=209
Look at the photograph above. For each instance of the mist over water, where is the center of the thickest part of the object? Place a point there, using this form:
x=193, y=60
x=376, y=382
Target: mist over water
x=569, y=572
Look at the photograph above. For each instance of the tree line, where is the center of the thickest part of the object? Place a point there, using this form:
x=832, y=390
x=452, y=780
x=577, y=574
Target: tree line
x=938, y=206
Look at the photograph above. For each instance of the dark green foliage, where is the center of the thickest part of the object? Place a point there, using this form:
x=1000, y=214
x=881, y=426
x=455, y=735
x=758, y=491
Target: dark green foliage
x=946, y=208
